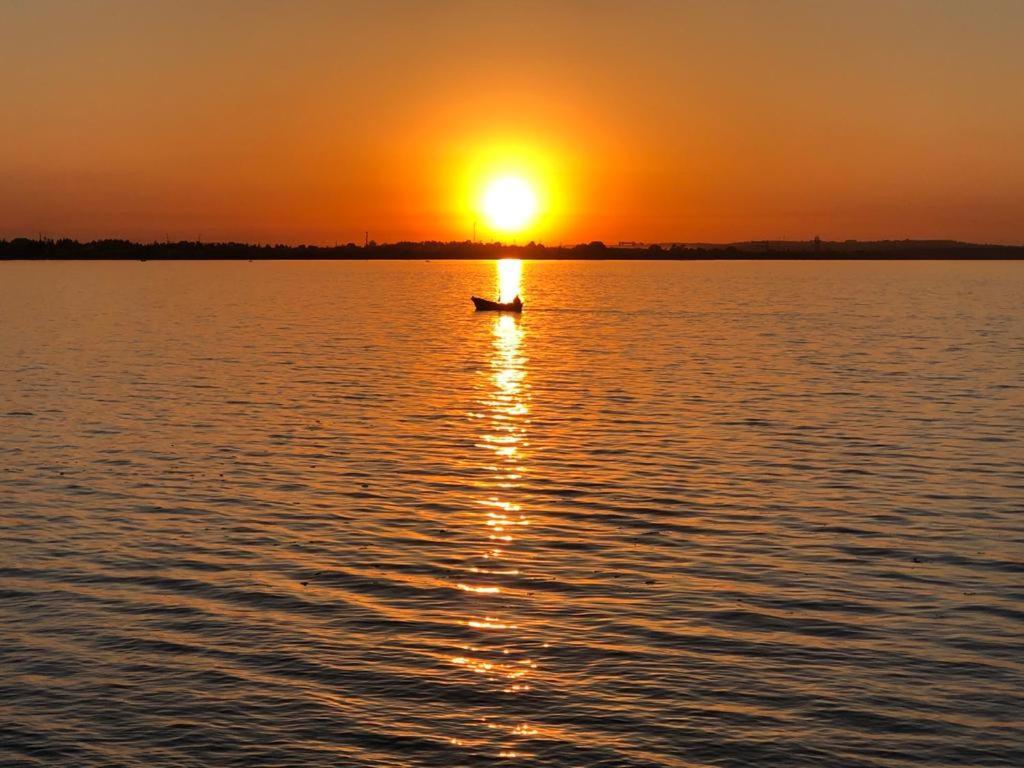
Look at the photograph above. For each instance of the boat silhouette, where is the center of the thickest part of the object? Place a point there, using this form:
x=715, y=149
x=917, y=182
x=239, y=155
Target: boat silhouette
x=486, y=305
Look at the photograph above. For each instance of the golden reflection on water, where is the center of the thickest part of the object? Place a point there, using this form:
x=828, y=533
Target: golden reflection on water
x=510, y=272
x=502, y=419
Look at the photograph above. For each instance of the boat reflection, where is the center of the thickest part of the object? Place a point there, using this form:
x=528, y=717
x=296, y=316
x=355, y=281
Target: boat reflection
x=499, y=652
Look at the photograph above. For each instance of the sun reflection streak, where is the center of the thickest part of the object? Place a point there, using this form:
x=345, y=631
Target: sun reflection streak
x=510, y=272
x=499, y=653
x=479, y=590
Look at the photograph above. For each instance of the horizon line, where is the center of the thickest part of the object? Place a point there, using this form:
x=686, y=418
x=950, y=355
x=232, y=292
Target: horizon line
x=370, y=244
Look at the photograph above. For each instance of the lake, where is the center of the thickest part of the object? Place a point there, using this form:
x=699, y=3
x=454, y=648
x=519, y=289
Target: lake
x=676, y=514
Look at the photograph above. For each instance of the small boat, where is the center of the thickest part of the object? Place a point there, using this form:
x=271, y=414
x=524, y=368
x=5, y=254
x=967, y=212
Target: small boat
x=486, y=305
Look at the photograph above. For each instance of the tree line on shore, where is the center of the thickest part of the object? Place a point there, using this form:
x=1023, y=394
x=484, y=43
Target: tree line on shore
x=126, y=250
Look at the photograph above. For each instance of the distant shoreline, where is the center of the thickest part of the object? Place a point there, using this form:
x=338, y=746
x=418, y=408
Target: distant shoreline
x=24, y=249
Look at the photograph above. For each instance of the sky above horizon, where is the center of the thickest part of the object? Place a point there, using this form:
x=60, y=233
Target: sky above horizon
x=651, y=121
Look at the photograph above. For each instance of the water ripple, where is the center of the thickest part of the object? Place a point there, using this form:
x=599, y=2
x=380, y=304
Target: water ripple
x=674, y=515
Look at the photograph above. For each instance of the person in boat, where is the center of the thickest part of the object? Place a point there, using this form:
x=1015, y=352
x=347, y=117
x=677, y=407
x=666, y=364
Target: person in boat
x=517, y=302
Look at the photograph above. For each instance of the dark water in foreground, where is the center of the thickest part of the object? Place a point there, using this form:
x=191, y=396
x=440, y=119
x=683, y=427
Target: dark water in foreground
x=678, y=514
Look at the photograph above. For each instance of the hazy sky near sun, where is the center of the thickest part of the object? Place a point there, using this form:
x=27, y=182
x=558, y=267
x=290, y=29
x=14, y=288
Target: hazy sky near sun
x=656, y=121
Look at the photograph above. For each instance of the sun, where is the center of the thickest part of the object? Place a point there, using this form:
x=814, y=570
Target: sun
x=508, y=189
x=510, y=204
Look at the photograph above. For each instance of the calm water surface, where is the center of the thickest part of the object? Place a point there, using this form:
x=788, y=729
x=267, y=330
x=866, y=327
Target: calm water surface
x=677, y=514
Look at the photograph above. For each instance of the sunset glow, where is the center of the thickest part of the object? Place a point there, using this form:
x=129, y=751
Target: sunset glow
x=656, y=124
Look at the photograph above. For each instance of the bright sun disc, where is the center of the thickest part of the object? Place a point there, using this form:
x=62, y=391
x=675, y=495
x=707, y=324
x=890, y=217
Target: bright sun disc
x=509, y=204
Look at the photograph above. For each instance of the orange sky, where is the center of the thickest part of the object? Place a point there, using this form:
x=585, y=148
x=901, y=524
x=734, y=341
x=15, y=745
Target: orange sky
x=654, y=121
